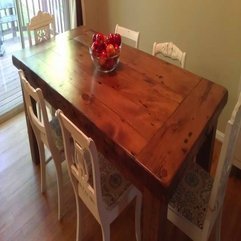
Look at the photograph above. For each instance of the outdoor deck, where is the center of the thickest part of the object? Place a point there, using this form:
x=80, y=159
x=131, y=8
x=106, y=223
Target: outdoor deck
x=11, y=101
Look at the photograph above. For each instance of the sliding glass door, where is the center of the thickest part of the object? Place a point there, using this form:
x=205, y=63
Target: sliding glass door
x=14, y=16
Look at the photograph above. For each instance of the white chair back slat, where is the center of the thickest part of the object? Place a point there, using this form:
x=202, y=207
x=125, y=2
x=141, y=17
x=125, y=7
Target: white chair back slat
x=82, y=159
x=33, y=98
x=43, y=27
x=169, y=50
x=128, y=33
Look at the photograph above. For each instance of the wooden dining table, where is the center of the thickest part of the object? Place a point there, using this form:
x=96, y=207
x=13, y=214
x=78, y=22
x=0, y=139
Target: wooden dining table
x=149, y=117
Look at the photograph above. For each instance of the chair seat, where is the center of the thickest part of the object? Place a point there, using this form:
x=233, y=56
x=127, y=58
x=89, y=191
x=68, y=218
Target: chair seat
x=56, y=133
x=113, y=184
x=191, y=197
x=196, y=206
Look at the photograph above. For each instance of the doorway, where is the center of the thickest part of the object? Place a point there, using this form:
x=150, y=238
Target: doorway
x=14, y=16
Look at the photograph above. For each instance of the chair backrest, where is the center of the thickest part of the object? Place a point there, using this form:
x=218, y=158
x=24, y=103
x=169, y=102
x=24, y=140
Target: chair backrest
x=169, y=50
x=39, y=121
x=237, y=154
x=43, y=27
x=83, y=164
x=128, y=33
x=225, y=158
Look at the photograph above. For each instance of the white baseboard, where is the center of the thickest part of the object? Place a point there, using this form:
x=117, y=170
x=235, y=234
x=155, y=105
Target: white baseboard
x=219, y=136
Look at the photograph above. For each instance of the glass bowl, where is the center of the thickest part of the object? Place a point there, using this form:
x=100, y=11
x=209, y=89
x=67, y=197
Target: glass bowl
x=103, y=63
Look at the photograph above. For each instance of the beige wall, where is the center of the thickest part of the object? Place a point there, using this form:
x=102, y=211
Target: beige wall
x=208, y=30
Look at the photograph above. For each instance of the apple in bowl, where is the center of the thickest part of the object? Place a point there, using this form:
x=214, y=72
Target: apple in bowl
x=105, y=51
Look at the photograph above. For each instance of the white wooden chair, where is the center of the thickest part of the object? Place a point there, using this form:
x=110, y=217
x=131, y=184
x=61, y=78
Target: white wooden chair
x=237, y=154
x=42, y=26
x=47, y=133
x=169, y=50
x=40, y=29
x=198, y=200
x=95, y=181
x=128, y=33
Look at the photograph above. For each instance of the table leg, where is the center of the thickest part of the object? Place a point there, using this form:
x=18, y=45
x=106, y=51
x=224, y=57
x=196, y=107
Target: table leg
x=32, y=143
x=32, y=139
x=154, y=217
x=205, y=154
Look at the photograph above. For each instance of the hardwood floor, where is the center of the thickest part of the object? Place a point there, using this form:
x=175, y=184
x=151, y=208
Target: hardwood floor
x=28, y=215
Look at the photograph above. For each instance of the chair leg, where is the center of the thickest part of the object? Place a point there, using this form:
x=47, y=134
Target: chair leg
x=59, y=175
x=105, y=231
x=138, y=217
x=218, y=226
x=42, y=167
x=79, y=224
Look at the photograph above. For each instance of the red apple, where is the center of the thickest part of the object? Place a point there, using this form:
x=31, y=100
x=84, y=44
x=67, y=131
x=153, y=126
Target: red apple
x=94, y=37
x=94, y=48
x=110, y=39
x=117, y=39
x=110, y=50
x=100, y=37
x=97, y=47
x=117, y=48
x=102, y=58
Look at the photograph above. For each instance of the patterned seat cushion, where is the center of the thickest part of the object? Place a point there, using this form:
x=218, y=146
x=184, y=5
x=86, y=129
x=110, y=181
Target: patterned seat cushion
x=113, y=184
x=191, y=197
x=56, y=133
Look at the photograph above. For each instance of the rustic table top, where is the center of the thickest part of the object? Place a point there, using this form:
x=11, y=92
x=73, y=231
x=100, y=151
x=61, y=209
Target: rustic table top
x=147, y=115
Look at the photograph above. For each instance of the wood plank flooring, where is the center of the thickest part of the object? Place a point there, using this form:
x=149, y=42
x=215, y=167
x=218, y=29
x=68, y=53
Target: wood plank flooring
x=28, y=215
